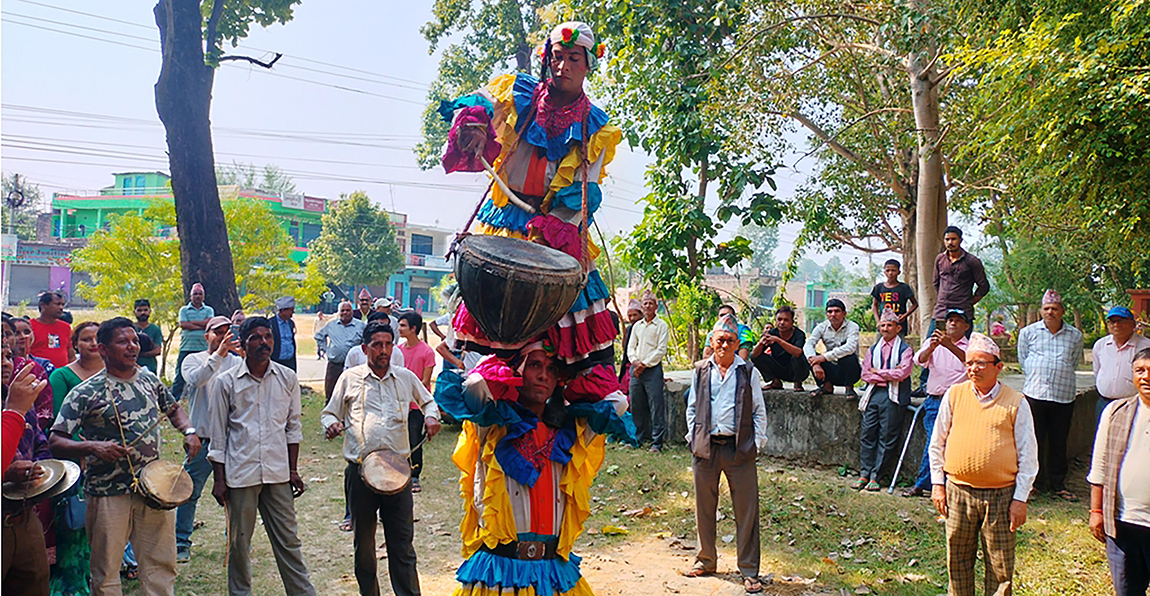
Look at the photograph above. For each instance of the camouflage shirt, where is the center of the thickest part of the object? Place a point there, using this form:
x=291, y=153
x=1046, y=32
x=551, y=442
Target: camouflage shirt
x=88, y=408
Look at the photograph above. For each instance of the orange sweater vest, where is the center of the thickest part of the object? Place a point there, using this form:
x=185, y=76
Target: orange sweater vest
x=980, y=450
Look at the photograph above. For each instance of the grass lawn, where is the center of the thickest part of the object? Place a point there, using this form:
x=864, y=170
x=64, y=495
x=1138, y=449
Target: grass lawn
x=813, y=528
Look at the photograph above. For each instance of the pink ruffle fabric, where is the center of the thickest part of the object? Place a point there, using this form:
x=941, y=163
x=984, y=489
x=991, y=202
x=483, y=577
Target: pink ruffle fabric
x=456, y=160
x=593, y=385
x=501, y=380
x=558, y=234
x=467, y=329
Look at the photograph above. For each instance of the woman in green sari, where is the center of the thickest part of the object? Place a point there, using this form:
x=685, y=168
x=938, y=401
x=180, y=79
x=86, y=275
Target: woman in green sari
x=70, y=575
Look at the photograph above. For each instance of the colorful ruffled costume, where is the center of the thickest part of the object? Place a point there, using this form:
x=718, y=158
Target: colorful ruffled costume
x=526, y=479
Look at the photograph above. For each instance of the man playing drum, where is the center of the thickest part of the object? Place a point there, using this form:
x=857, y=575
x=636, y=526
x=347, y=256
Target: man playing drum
x=118, y=413
x=253, y=418
x=370, y=404
x=530, y=447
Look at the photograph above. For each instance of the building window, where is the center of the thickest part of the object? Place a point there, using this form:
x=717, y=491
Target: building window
x=308, y=232
x=397, y=293
x=126, y=185
x=140, y=184
x=421, y=245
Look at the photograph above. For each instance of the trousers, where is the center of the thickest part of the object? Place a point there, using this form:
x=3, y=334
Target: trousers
x=743, y=481
x=276, y=507
x=979, y=515
x=25, y=558
x=1051, y=428
x=881, y=426
x=396, y=513
x=929, y=415
x=199, y=468
x=111, y=522
x=648, y=407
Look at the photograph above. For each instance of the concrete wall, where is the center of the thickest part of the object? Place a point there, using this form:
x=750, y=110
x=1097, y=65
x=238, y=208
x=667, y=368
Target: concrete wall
x=825, y=430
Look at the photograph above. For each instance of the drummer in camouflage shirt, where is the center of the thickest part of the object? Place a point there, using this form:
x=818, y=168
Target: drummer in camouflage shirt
x=117, y=412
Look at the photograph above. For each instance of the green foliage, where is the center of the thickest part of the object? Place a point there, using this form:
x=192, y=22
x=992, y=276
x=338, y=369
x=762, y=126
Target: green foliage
x=271, y=178
x=236, y=18
x=20, y=221
x=763, y=242
x=357, y=244
x=695, y=305
x=130, y=261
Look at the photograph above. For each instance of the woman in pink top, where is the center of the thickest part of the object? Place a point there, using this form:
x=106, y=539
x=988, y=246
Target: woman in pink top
x=419, y=358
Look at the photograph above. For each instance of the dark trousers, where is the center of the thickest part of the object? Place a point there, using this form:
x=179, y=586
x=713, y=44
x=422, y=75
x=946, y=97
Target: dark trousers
x=929, y=415
x=648, y=407
x=398, y=519
x=1051, y=428
x=331, y=375
x=25, y=557
x=1129, y=557
x=288, y=362
x=1098, y=407
x=414, y=436
x=795, y=369
x=743, y=481
x=178, y=383
x=844, y=373
x=881, y=423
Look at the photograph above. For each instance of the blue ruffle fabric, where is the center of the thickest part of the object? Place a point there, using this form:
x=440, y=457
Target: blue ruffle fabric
x=557, y=147
x=603, y=420
x=447, y=108
x=572, y=198
x=594, y=290
x=547, y=576
x=507, y=217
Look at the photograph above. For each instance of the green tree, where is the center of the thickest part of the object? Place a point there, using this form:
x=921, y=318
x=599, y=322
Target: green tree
x=192, y=34
x=116, y=259
x=271, y=178
x=22, y=202
x=488, y=35
x=357, y=244
x=763, y=242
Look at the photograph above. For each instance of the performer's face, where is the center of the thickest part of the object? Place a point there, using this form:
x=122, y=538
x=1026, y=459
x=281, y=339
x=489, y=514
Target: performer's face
x=569, y=68
x=540, y=376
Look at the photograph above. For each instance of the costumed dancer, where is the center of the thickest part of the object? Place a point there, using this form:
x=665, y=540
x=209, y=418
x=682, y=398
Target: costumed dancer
x=534, y=411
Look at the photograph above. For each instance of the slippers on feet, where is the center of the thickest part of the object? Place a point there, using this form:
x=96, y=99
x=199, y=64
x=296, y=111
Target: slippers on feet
x=1066, y=495
x=345, y=525
x=873, y=486
x=752, y=585
x=859, y=484
x=697, y=572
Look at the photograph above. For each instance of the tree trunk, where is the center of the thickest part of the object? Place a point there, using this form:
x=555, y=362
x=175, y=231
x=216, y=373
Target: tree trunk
x=183, y=101
x=930, y=210
x=913, y=273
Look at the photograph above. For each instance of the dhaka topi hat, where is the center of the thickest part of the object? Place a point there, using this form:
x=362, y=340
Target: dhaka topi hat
x=728, y=324
x=982, y=343
x=634, y=305
x=364, y=293
x=1051, y=297
x=888, y=316
x=285, y=302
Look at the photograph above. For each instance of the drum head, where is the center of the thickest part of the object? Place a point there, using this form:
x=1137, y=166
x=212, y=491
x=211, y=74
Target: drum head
x=54, y=472
x=166, y=482
x=385, y=472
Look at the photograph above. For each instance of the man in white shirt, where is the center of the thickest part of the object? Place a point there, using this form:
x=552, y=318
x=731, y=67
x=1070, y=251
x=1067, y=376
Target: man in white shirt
x=254, y=419
x=1113, y=358
x=726, y=426
x=839, y=364
x=646, y=349
x=1120, y=484
x=370, y=404
x=199, y=368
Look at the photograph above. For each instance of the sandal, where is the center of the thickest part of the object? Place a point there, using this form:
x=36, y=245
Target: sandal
x=345, y=525
x=912, y=492
x=415, y=487
x=697, y=572
x=752, y=585
x=859, y=484
x=820, y=390
x=131, y=572
x=1066, y=495
x=873, y=486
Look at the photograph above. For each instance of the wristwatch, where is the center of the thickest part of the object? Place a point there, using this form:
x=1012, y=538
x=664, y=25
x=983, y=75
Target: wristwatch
x=191, y=430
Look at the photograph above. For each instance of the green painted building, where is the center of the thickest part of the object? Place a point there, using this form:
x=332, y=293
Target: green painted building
x=78, y=215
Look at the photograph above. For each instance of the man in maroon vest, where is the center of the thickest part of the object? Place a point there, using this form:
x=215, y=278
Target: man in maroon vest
x=726, y=426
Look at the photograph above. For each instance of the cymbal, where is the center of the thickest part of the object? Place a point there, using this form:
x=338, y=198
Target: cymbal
x=54, y=472
x=71, y=477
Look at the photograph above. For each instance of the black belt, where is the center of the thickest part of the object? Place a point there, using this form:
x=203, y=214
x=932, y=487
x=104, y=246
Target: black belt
x=722, y=439
x=524, y=550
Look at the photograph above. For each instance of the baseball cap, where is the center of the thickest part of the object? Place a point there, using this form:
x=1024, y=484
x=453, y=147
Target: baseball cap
x=383, y=302
x=216, y=321
x=1119, y=311
x=960, y=312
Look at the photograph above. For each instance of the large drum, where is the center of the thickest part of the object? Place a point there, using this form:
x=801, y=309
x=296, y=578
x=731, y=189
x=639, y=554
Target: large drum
x=385, y=472
x=165, y=485
x=515, y=289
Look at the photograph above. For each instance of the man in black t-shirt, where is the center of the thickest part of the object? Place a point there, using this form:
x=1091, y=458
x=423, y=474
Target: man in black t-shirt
x=779, y=354
x=895, y=295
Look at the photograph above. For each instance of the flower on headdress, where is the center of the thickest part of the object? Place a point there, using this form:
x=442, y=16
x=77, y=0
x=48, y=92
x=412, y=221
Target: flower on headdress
x=600, y=50
x=569, y=36
x=540, y=51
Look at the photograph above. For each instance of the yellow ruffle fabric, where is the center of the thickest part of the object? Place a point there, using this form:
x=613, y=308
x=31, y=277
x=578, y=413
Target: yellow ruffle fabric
x=498, y=519
x=582, y=588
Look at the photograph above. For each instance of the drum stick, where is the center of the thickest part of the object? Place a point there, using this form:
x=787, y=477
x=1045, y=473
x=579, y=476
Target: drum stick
x=511, y=196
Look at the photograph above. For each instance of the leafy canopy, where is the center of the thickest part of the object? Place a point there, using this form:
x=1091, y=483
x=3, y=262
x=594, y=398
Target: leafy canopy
x=357, y=244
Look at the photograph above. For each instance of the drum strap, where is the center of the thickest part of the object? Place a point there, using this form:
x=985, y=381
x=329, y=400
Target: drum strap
x=124, y=441
x=363, y=418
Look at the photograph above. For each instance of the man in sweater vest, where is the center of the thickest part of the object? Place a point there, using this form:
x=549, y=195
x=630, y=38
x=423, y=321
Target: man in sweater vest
x=726, y=426
x=983, y=461
x=887, y=371
x=1120, y=484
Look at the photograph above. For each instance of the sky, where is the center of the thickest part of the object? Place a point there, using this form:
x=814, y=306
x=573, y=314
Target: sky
x=340, y=111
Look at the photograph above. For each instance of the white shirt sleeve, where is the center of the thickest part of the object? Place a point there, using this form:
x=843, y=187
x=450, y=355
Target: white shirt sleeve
x=336, y=408
x=938, y=441
x=813, y=340
x=219, y=404
x=1026, y=444
x=760, y=409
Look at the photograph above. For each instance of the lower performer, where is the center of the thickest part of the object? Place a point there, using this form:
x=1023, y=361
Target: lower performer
x=527, y=460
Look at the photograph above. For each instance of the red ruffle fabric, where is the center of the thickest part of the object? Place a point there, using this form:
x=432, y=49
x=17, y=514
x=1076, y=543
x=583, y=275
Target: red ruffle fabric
x=557, y=234
x=467, y=329
x=501, y=380
x=577, y=341
x=455, y=160
x=593, y=385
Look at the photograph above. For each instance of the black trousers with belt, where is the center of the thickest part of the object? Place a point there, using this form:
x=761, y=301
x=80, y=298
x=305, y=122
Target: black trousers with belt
x=398, y=518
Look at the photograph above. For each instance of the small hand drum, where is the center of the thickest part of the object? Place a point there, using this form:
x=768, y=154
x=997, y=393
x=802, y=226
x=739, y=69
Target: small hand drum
x=385, y=472
x=516, y=289
x=164, y=485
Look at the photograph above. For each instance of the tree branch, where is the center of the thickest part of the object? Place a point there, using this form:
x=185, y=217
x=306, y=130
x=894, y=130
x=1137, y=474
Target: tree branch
x=255, y=61
x=212, y=30
x=831, y=139
x=847, y=240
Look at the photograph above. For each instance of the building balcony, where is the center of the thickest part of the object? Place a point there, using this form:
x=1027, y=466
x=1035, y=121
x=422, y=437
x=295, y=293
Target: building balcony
x=431, y=262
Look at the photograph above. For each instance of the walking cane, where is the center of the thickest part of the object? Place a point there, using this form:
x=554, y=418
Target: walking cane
x=905, y=444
